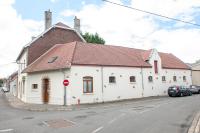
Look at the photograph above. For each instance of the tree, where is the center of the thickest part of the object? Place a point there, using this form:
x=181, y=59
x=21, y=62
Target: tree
x=93, y=38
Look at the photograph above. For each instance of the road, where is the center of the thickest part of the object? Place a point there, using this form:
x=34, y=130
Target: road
x=157, y=115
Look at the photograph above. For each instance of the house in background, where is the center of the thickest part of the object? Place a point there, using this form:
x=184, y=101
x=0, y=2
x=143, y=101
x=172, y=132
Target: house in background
x=101, y=73
x=56, y=34
x=195, y=73
x=12, y=83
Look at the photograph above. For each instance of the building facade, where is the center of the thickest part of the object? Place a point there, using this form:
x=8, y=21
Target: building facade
x=100, y=74
x=196, y=73
x=56, y=34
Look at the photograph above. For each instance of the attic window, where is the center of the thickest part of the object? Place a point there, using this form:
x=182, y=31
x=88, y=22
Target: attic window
x=53, y=59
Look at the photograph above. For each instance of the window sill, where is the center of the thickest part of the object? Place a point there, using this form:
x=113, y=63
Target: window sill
x=34, y=90
x=88, y=93
x=132, y=82
x=112, y=84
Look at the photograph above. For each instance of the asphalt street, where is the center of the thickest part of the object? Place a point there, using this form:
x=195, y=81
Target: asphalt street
x=158, y=115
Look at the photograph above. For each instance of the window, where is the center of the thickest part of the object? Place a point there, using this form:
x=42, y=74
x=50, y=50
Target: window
x=174, y=78
x=184, y=78
x=132, y=79
x=163, y=78
x=156, y=66
x=34, y=86
x=150, y=78
x=112, y=79
x=87, y=85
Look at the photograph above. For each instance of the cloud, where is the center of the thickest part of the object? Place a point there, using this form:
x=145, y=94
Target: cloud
x=15, y=33
x=68, y=13
x=125, y=27
x=53, y=1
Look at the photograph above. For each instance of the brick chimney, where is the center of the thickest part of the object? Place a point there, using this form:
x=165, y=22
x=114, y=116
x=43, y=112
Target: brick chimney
x=77, y=24
x=48, y=19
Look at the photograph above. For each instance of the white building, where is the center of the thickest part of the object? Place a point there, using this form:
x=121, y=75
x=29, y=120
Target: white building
x=100, y=73
x=13, y=83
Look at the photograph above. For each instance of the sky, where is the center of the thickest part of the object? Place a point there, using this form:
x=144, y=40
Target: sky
x=22, y=19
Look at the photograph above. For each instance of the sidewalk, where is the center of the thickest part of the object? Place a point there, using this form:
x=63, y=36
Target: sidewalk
x=16, y=103
x=195, y=127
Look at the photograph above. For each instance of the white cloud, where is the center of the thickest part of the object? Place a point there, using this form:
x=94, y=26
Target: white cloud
x=53, y=1
x=15, y=33
x=67, y=13
x=122, y=26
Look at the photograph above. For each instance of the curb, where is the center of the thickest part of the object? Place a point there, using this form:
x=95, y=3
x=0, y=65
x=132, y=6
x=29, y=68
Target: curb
x=195, y=127
x=20, y=105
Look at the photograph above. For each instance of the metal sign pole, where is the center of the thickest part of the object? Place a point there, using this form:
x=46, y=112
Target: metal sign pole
x=65, y=95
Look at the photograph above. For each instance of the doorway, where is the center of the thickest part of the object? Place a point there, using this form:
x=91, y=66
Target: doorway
x=46, y=90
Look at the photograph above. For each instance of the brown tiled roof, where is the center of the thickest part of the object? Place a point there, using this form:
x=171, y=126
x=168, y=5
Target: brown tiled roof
x=80, y=53
x=63, y=53
x=145, y=54
x=170, y=61
x=107, y=55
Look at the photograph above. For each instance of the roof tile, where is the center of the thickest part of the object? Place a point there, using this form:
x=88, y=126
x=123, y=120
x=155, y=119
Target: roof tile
x=80, y=53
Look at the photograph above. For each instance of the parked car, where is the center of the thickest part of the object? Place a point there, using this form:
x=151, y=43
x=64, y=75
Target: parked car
x=195, y=89
x=179, y=91
x=4, y=89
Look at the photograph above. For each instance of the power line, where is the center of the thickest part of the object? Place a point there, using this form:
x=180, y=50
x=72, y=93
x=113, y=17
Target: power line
x=155, y=14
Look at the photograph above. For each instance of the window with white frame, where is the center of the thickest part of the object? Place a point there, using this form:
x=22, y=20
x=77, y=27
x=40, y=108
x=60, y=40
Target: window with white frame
x=87, y=84
x=163, y=78
x=34, y=86
x=150, y=78
x=112, y=79
x=184, y=78
x=132, y=79
x=174, y=78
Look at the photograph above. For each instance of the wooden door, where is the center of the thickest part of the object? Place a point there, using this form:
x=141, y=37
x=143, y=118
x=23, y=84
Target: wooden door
x=46, y=90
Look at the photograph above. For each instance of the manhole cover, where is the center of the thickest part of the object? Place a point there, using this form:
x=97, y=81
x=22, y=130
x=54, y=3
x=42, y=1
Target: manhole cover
x=59, y=123
x=28, y=118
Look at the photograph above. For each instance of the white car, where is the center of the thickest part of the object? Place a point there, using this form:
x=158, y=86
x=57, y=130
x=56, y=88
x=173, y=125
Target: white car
x=4, y=89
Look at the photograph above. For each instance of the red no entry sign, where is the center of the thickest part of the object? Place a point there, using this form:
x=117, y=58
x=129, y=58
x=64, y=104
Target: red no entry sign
x=65, y=82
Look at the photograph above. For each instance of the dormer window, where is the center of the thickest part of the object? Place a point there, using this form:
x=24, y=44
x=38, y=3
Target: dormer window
x=53, y=59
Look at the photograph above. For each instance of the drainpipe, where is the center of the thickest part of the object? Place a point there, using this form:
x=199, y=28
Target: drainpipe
x=142, y=82
x=102, y=84
x=65, y=89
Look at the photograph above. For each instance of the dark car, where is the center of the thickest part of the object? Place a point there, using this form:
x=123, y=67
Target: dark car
x=179, y=91
x=195, y=89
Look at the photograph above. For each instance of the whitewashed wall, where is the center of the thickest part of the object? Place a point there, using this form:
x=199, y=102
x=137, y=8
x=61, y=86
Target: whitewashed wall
x=158, y=87
x=21, y=67
x=56, y=95
x=75, y=89
x=104, y=91
x=13, y=87
x=123, y=88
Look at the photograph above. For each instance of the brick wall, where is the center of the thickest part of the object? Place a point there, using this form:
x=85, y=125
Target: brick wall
x=54, y=36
